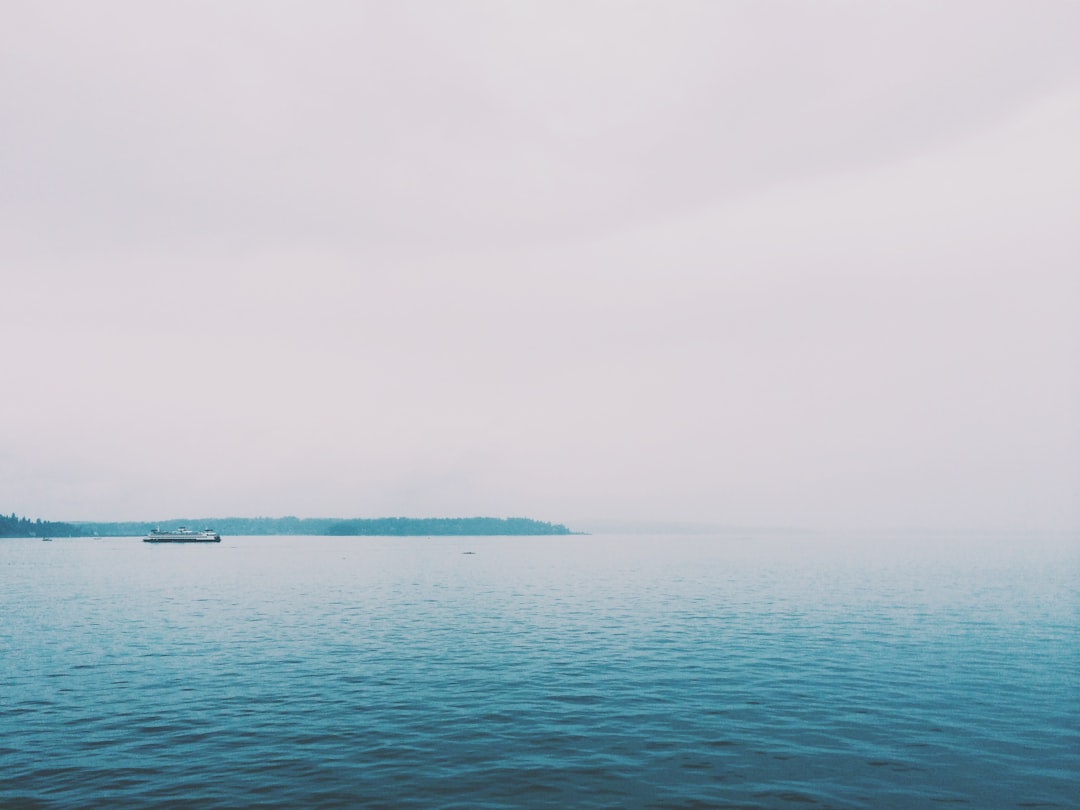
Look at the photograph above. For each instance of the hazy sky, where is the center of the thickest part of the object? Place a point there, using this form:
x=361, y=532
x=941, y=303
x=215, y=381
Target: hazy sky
x=754, y=263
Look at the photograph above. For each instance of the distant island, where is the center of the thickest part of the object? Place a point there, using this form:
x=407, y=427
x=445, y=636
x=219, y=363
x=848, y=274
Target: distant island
x=13, y=526
x=328, y=527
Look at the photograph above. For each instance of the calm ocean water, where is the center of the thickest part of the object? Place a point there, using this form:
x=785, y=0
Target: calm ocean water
x=602, y=671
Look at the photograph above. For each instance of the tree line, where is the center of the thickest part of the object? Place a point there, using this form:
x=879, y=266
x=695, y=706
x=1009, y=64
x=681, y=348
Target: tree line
x=393, y=526
x=14, y=526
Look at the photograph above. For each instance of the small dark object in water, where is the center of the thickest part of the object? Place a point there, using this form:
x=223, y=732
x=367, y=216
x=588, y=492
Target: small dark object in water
x=468, y=552
x=46, y=539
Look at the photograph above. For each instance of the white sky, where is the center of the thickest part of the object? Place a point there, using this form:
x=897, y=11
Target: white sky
x=746, y=263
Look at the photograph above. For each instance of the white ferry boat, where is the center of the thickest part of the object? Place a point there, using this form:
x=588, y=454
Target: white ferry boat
x=182, y=535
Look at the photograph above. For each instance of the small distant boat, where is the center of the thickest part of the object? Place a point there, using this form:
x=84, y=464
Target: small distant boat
x=182, y=535
x=46, y=539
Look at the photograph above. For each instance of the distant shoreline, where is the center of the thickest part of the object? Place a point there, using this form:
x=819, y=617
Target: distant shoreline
x=319, y=527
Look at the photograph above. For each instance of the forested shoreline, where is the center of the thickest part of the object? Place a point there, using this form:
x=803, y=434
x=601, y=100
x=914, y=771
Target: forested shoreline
x=14, y=526
x=393, y=526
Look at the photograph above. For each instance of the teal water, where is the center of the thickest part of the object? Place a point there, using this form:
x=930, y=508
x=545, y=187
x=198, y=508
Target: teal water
x=603, y=671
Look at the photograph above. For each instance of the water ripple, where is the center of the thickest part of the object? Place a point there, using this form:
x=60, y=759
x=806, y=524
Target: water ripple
x=583, y=672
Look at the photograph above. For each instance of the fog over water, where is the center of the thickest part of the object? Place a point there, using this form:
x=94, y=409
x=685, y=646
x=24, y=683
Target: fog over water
x=753, y=264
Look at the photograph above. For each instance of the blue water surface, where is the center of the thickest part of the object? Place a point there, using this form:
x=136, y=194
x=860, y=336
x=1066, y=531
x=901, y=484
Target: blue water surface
x=587, y=671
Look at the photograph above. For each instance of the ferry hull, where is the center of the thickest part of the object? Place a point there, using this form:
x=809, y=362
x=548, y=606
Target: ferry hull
x=181, y=539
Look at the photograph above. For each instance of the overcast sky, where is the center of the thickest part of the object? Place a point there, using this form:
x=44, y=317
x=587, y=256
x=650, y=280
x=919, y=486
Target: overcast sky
x=807, y=264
